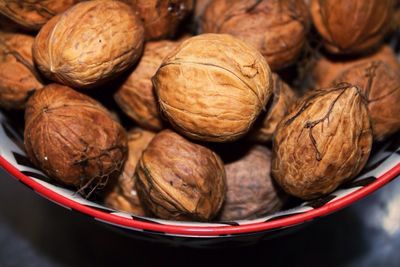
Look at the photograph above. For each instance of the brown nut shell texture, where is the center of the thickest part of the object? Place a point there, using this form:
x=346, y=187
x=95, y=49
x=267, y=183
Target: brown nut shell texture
x=123, y=195
x=180, y=180
x=277, y=28
x=380, y=84
x=18, y=76
x=352, y=26
x=89, y=44
x=212, y=87
x=325, y=142
x=73, y=138
x=33, y=14
x=251, y=191
x=136, y=96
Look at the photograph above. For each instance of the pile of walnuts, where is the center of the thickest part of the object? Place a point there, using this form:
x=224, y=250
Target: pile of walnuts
x=200, y=110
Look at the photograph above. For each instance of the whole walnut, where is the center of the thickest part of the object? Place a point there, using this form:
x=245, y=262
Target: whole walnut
x=282, y=100
x=123, y=195
x=212, y=87
x=33, y=14
x=180, y=180
x=251, y=191
x=277, y=28
x=89, y=44
x=136, y=96
x=351, y=26
x=323, y=143
x=161, y=19
x=73, y=138
x=327, y=69
x=18, y=76
x=380, y=84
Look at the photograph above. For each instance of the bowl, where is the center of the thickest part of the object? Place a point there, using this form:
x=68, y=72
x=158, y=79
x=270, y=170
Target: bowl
x=383, y=166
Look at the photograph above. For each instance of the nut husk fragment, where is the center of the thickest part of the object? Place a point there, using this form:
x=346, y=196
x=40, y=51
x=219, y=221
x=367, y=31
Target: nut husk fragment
x=33, y=14
x=73, y=138
x=352, y=26
x=136, y=96
x=180, y=180
x=323, y=143
x=89, y=44
x=18, y=76
x=380, y=84
x=277, y=28
x=251, y=191
x=213, y=94
x=123, y=195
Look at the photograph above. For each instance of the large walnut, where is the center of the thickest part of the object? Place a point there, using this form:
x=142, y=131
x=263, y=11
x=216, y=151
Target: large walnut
x=277, y=28
x=136, y=96
x=33, y=14
x=18, y=76
x=180, y=180
x=352, y=26
x=123, y=195
x=161, y=18
x=73, y=138
x=380, y=84
x=251, y=191
x=323, y=143
x=212, y=87
x=89, y=44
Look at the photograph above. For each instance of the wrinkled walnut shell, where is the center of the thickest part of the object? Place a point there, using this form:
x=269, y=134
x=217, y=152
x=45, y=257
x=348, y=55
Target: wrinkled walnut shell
x=73, y=138
x=212, y=87
x=136, y=96
x=323, y=143
x=180, y=180
x=89, y=44
x=277, y=28
x=18, y=76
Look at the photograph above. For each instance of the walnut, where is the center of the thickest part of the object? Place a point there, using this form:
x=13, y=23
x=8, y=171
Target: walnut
x=33, y=14
x=123, y=195
x=89, y=44
x=73, y=138
x=161, y=18
x=351, y=26
x=212, y=87
x=380, y=84
x=136, y=97
x=283, y=98
x=180, y=180
x=251, y=191
x=327, y=69
x=325, y=142
x=18, y=76
x=277, y=28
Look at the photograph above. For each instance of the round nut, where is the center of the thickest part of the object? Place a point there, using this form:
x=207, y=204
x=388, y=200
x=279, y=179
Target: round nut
x=212, y=87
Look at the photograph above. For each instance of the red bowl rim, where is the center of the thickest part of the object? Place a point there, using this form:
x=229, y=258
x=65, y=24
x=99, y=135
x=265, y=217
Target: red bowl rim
x=205, y=230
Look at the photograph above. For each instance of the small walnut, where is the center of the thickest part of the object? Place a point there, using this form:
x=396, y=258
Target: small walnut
x=327, y=69
x=277, y=28
x=33, y=14
x=18, y=76
x=123, y=195
x=283, y=98
x=180, y=180
x=212, y=87
x=380, y=84
x=73, y=138
x=325, y=142
x=161, y=18
x=351, y=26
x=89, y=44
x=136, y=97
x=251, y=192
